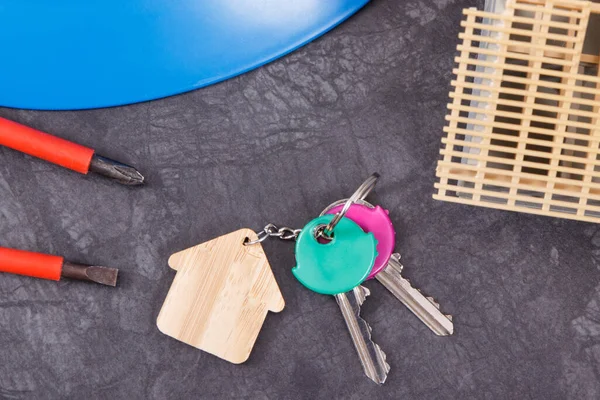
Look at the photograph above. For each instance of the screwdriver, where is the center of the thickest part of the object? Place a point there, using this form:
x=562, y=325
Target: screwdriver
x=50, y=267
x=64, y=153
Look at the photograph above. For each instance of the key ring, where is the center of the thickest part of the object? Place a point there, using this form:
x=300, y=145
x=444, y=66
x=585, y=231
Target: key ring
x=343, y=201
x=359, y=195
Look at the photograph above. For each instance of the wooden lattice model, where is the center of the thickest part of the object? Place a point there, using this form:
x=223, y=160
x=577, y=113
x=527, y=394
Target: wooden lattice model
x=524, y=121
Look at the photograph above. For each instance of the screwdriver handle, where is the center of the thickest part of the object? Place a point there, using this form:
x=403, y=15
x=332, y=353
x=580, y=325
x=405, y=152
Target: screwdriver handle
x=32, y=264
x=45, y=146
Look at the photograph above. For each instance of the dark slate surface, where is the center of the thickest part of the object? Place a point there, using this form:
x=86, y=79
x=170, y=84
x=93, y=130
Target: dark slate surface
x=277, y=145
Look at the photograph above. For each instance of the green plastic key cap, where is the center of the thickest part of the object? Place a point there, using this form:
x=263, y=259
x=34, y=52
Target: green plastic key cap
x=338, y=265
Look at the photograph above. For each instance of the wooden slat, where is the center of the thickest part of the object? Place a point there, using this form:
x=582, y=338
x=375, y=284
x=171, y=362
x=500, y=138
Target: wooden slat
x=570, y=81
x=514, y=18
x=480, y=171
x=525, y=185
x=522, y=55
x=516, y=197
x=568, y=4
x=520, y=92
x=511, y=42
x=516, y=140
x=585, y=58
x=530, y=70
x=528, y=210
x=456, y=111
x=590, y=165
x=521, y=32
x=516, y=79
x=522, y=151
x=528, y=106
x=537, y=118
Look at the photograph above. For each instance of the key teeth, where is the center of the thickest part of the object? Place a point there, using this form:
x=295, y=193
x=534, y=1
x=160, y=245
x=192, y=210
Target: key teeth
x=415, y=300
x=381, y=356
x=432, y=301
x=365, y=290
x=394, y=263
x=361, y=293
x=380, y=368
x=386, y=366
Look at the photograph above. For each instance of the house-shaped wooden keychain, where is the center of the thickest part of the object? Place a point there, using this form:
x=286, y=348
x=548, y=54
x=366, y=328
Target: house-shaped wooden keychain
x=220, y=296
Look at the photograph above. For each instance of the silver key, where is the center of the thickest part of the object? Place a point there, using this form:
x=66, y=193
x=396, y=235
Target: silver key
x=425, y=308
x=371, y=356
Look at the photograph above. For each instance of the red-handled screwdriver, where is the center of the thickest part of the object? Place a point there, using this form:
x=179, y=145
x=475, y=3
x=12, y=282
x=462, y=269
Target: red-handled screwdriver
x=45, y=266
x=62, y=152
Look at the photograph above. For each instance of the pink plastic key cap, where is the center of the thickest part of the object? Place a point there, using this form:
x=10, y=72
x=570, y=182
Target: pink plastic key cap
x=377, y=221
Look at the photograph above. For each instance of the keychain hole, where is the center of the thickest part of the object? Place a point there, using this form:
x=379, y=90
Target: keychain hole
x=321, y=237
x=324, y=240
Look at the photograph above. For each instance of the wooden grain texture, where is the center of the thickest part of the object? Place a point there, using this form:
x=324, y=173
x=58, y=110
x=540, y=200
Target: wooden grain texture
x=220, y=296
x=523, y=131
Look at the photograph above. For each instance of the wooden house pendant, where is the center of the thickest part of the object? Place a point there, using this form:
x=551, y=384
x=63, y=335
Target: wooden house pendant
x=220, y=296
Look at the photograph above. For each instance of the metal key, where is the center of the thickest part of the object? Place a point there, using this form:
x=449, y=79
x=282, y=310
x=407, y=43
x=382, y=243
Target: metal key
x=426, y=308
x=371, y=356
x=387, y=268
x=337, y=268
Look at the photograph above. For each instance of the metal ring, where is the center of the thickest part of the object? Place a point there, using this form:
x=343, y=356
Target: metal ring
x=271, y=230
x=318, y=233
x=343, y=201
x=361, y=193
x=262, y=236
x=289, y=233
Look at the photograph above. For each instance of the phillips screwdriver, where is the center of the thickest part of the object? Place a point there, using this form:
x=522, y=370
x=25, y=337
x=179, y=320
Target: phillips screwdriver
x=65, y=153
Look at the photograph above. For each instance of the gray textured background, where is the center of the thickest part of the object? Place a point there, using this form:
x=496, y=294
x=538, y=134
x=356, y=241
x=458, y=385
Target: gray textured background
x=277, y=145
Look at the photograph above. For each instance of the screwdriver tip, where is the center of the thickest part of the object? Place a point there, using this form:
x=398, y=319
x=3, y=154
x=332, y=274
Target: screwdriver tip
x=122, y=173
x=90, y=273
x=103, y=275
